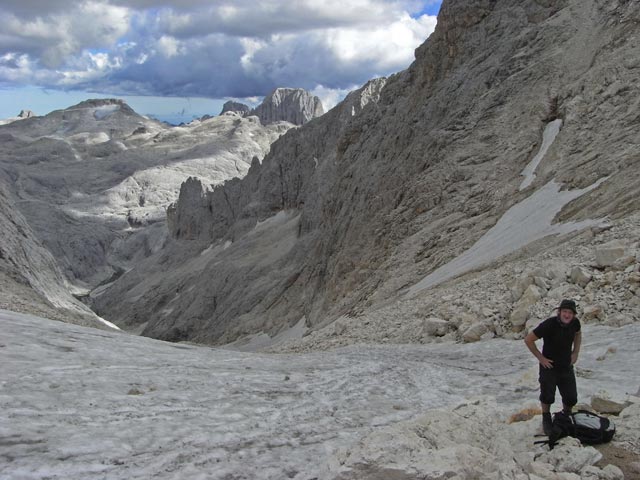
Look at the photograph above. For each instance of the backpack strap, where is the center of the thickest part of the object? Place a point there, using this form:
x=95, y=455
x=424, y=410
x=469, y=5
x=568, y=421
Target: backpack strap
x=550, y=442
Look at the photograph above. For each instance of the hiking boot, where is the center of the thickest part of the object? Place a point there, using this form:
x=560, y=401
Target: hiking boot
x=547, y=424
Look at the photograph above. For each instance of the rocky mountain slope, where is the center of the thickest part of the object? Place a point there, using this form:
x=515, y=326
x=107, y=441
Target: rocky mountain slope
x=514, y=129
x=30, y=278
x=93, y=181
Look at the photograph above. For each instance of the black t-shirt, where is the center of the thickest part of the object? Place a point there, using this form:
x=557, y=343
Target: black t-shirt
x=558, y=340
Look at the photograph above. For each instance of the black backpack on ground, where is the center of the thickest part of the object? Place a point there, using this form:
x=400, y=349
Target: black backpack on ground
x=589, y=428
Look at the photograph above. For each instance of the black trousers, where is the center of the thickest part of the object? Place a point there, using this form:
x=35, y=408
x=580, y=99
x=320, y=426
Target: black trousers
x=564, y=379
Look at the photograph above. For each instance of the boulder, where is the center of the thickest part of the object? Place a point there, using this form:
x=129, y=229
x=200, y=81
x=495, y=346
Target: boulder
x=602, y=404
x=609, y=278
x=531, y=296
x=558, y=273
x=612, y=472
x=565, y=291
x=435, y=327
x=463, y=320
x=609, y=253
x=624, y=262
x=532, y=323
x=542, y=283
x=521, y=285
x=519, y=317
x=570, y=456
x=628, y=423
x=474, y=332
x=619, y=320
x=580, y=276
x=593, y=313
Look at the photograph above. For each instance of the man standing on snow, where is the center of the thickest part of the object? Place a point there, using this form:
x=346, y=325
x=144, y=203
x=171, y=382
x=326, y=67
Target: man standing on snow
x=561, y=345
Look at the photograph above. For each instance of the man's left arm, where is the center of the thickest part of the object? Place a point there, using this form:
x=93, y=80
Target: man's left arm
x=577, y=341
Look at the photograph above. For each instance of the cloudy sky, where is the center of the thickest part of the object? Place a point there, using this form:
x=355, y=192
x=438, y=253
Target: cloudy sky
x=180, y=58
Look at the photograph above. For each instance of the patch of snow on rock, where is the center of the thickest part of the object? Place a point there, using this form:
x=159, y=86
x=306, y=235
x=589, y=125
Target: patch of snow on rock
x=548, y=136
x=522, y=224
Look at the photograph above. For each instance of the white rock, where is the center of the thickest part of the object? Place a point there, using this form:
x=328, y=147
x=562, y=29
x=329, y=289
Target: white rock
x=592, y=313
x=624, y=262
x=591, y=472
x=628, y=424
x=612, y=472
x=607, y=254
x=619, y=320
x=566, y=291
x=531, y=296
x=605, y=405
x=521, y=285
x=435, y=327
x=542, y=282
x=474, y=332
x=541, y=470
x=519, y=317
x=580, y=276
x=570, y=456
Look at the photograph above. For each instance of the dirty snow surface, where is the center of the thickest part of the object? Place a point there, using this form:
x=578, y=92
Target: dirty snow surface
x=522, y=224
x=548, y=136
x=78, y=403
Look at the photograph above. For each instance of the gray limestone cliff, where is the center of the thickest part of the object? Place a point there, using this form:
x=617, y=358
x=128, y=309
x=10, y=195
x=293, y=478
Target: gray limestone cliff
x=350, y=210
x=30, y=279
x=293, y=105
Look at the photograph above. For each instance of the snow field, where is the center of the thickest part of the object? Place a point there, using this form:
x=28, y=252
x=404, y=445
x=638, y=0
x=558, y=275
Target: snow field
x=80, y=403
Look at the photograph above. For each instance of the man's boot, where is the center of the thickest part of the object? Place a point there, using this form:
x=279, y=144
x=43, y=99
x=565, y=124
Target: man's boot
x=547, y=423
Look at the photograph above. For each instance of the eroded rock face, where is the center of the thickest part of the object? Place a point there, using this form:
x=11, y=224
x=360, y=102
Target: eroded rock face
x=30, y=278
x=293, y=105
x=93, y=182
x=389, y=192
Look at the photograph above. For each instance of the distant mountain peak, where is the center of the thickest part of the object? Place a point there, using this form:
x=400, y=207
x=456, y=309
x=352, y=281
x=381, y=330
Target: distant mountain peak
x=232, y=106
x=26, y=114
x=294, y=105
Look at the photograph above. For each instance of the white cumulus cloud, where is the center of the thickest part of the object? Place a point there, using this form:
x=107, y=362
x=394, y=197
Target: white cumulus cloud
x=226, y=48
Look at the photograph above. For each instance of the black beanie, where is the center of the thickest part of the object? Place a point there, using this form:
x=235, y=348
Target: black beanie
x=569, y=305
